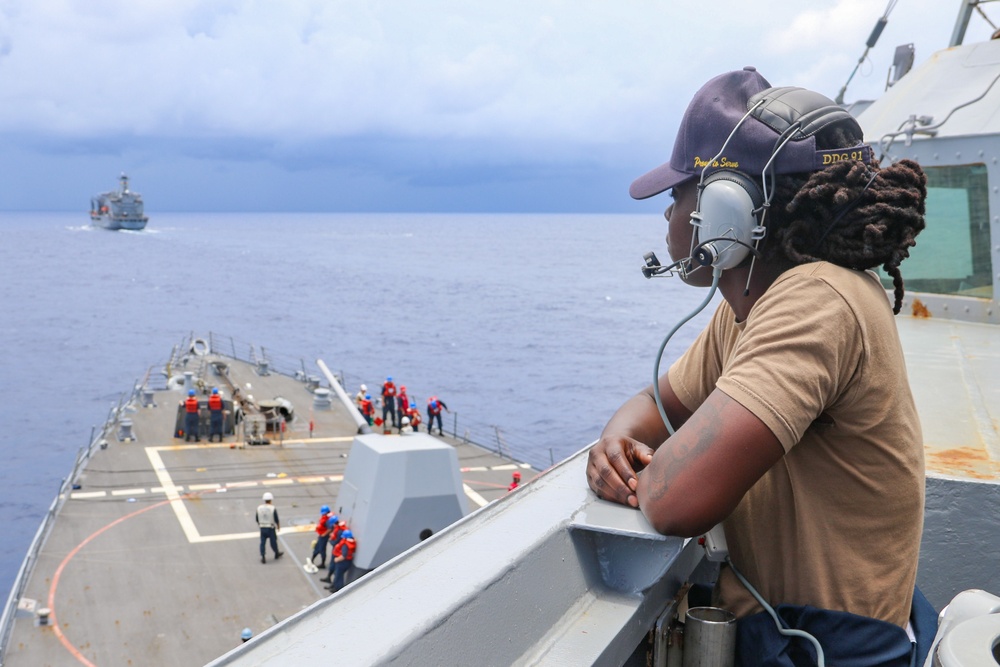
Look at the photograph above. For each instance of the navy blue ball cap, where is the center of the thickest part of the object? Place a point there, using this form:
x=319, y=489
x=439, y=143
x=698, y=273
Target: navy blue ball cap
x=718, y=107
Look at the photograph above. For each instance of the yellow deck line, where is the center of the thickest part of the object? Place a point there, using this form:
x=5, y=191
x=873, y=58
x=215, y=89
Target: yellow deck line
x=473, y=496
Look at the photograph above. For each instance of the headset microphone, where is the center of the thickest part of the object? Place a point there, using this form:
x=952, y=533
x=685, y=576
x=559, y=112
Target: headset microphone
x=653, y=268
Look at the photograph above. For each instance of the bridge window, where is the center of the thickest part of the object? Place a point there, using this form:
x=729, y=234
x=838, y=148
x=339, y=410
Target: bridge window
x=952, y=255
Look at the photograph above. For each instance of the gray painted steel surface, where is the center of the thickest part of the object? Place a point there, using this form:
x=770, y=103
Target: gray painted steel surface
x=397, y=489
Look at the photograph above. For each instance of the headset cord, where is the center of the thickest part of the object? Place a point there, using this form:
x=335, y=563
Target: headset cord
x=788, y=632
x=716, y=273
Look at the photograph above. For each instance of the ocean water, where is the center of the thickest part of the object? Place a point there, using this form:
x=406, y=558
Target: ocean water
x=532, y=328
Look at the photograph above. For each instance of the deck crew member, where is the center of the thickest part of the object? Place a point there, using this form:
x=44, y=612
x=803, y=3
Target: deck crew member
x=215, y=415
x=322, y=536
x=343, y=559
x=267, y=519
x=402, y=405
x=791, y=419
x=191, y=417
x=389, y=402
x=337, y=527
x=414, y=414
x=367, y=409
x=360, y=396
x=434, y=407
x=515, y=480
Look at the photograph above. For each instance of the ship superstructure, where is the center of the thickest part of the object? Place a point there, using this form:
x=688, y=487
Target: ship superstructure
x=119, y=209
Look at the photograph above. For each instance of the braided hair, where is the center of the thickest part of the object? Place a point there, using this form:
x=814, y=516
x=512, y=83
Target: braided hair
x=850, y=214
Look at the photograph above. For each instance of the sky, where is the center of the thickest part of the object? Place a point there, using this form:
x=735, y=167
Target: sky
x=370, y=105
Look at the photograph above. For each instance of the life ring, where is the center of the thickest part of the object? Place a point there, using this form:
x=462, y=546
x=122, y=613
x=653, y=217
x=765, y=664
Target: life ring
x=199, y=347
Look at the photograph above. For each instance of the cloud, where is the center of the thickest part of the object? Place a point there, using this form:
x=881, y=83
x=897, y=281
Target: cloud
x=412, y=93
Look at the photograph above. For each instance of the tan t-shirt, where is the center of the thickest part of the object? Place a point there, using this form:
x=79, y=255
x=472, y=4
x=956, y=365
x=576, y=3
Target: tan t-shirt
x=836, y=523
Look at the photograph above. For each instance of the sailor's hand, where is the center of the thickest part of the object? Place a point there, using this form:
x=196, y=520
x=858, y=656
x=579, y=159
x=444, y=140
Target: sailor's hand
x=612, y=466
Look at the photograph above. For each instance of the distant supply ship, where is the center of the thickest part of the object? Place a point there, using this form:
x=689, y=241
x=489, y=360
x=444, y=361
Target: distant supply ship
x=121, y=209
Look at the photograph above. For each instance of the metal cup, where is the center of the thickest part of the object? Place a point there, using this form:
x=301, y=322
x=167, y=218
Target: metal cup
x=709, y=637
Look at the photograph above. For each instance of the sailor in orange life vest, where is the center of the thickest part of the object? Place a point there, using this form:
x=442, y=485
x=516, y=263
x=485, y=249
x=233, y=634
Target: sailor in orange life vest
x=414, y=416
x=191, y=417
x=402, y=404
x=515, y=480
x=367, y=409
x=214, y=415
x=323, y=536
x=434, y=405
x=389, y=402
x=337, y=527
x=343, y=559
x=793, y=423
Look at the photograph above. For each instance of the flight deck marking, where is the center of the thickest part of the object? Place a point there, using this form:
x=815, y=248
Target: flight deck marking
x=473, y=496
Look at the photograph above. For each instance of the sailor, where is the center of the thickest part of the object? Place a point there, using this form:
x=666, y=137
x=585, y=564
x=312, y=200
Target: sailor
x=791, y=418
x=414, y=416
x=404, y=426
x=367, y=409
x=343, y=559
x=323, y=536
x=215, y=415
x=337, y=527
x=267, y=519
x=515, y=480
x=389, y=402
x=434, y=406
x=360, y=396
x=402, y=403
x=191, y=417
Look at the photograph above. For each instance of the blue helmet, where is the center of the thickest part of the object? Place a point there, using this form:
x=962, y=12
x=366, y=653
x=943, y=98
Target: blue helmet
x=332, y=521
x=368, y=397
x=190, y=392
x=215, y=390
x=325, y=509
x=347, y=534
x=246, y=634
x=389, y=379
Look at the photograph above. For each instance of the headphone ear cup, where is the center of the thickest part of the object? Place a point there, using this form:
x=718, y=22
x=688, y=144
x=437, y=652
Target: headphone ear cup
x=726, y=210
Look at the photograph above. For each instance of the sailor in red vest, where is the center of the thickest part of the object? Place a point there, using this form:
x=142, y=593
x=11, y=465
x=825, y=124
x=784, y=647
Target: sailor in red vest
x=389, y=402
x=414, y=416
x=402, y=406
x=323, y=531
x=337, y=527
x=215, y=415
x=343, y=559
x=434, y=405
x=515, y=480
x=191, y=418
x=367, y=409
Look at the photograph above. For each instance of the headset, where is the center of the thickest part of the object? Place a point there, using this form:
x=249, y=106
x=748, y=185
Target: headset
x=731, y=208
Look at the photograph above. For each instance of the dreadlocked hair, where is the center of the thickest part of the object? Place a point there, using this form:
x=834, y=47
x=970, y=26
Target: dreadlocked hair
x=850, y=214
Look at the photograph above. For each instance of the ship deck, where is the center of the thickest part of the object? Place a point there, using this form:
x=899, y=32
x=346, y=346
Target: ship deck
x=153, y=555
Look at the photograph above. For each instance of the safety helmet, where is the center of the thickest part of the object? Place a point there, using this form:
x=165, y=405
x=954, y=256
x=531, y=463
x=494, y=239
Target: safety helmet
x=190, y=392
x=364, y=388
x=517, y=474
x=331, y=522
x=402, y=387
x=433, y=404
x=347, y=534
x=325, y=509
x=215, y=390
x=406, y=421
x=268, y=496
x=246, y=634
x=389, y=379
x=368, y=397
